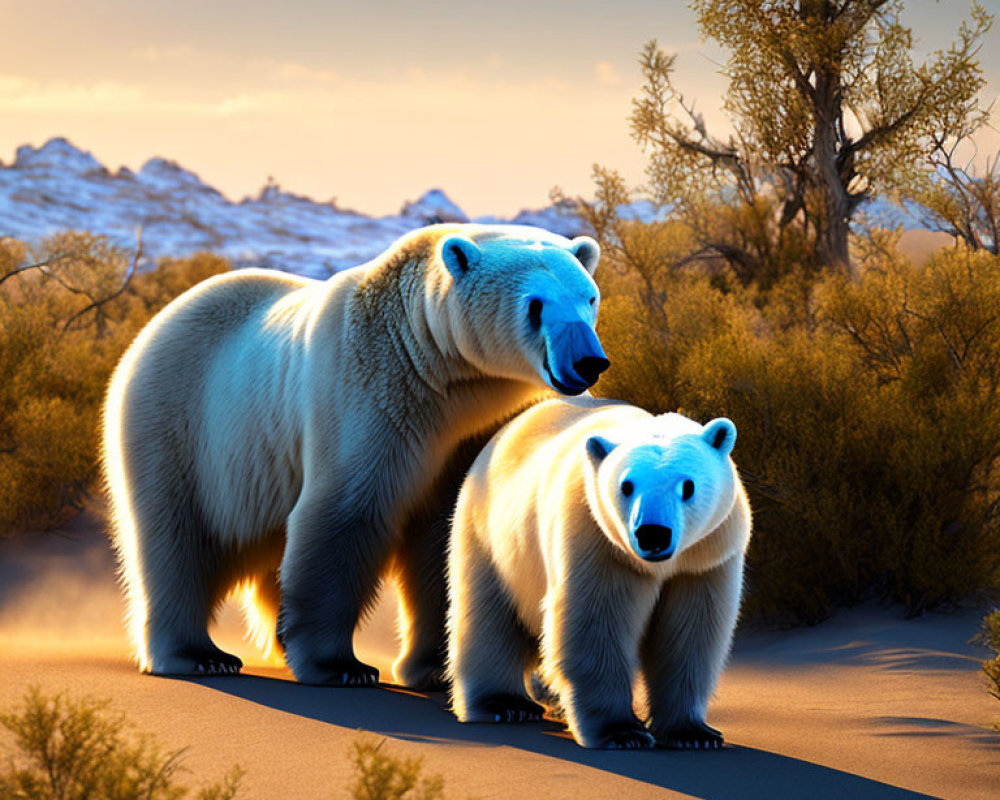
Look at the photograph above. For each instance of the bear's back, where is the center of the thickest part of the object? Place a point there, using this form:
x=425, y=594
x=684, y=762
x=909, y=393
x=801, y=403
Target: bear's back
x=158, y=387
x=530, y=468
x=533, y=443
x=215, y=307
x=174, y=350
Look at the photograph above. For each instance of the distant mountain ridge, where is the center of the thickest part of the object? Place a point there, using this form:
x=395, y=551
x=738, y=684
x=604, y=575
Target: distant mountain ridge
x=59, y=186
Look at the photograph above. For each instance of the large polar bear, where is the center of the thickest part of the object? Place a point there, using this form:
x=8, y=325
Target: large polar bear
x=593, y=541
x=263, y=419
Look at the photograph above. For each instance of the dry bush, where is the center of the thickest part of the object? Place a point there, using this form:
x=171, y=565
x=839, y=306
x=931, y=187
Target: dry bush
x=868, y=417
x=382, y=776
x=78, y=749
x=67, y=749
x=55, y=362
x=174, y=276
x=991, y=638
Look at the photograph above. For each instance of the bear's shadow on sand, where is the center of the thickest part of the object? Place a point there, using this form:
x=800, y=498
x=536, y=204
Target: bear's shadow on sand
x=735, y=773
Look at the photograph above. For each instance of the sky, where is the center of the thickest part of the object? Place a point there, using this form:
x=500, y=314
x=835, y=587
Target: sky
x=368, y=103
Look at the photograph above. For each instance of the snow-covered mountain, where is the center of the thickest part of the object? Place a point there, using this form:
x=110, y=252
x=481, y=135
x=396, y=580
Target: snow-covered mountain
x=59, y=187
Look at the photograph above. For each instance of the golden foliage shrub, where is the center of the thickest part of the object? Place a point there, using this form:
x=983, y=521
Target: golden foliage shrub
x=77, y=749
x=384, y=776
x=868, y=418
x=54, y=365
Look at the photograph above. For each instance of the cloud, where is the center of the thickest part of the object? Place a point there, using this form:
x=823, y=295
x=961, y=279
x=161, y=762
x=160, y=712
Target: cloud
x=606, y=73
x=59, y=98
x=160, y=53
x=13, y=84
x=18, y=93
x=294, y=72
x=238, y=104
x=290, y=90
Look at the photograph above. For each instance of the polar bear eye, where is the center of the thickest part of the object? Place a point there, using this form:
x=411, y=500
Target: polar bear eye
x=535, y=313
x=627, y=488
x=687, y=490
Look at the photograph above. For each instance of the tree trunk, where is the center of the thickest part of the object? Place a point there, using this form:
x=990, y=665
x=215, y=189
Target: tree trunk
x=833, y=243
x=834, y=215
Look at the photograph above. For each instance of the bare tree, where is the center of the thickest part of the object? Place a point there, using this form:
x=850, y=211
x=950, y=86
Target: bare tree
x=828, y=109
x=959, y=200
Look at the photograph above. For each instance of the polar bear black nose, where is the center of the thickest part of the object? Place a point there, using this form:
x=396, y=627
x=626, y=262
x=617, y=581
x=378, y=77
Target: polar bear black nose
x=590, y=367
x=655, y=541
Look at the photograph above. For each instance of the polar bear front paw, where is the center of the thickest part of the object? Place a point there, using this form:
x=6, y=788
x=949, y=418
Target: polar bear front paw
x=197, y=662
x=215, y=667
x=343, y=672
x=627, y=736
x=693, y=736
x=507, y=708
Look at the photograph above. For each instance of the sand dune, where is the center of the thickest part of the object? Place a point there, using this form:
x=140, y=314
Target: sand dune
x=865, y=706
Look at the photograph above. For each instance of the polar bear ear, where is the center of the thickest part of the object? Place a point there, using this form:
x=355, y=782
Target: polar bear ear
x=598, y=447
x=721, y=435
x=587, y=252
x=459, y=254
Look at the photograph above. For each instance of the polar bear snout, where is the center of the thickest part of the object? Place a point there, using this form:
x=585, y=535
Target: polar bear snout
x=574, y=357
x=655, y=542
x=590, y=368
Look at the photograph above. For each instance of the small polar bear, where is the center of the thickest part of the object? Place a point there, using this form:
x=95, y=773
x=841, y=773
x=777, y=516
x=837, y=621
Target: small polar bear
x=593, y=541
x=303, y=439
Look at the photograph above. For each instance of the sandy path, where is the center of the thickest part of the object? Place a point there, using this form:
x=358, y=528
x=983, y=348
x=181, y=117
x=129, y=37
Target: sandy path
x=864, y=706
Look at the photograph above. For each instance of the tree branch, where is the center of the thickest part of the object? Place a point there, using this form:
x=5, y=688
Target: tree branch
x=880, y=132
x=45, y=262
x=117, y=293
x=707, y=146
x=862, y=14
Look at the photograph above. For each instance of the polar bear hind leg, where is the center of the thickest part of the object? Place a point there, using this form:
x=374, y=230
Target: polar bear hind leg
x=417, y=567
x=172, y=579
x=420, y=578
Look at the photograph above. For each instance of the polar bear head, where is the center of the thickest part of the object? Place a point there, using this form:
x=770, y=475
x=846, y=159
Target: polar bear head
x=664, y=486
x=523, y=304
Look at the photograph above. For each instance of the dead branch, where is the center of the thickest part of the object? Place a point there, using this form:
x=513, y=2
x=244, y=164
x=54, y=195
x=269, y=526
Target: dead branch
x=96, y=304
x=40, y=265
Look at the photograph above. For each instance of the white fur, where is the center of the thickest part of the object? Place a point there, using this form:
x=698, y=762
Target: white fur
x=265, y=420
x=543, y=575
